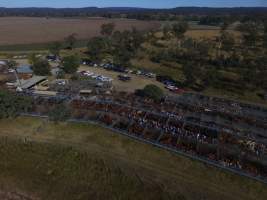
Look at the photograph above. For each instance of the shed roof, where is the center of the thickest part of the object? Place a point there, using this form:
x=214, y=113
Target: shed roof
x=86, y=91
x=45, y=93
x=26, y=84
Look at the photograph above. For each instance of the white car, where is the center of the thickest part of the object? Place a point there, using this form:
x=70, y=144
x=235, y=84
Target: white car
x=94, y=76
x=90, y=74
x=138, y=72
x=106, y=79
x=171, y=87
x=61, y=82
x=151, y=75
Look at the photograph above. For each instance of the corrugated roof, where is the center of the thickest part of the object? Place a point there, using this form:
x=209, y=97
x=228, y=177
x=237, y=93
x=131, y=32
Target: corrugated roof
x=26, y=84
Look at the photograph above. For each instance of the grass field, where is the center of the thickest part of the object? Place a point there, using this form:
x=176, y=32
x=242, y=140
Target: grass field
x=27, y=30
x=75, y=161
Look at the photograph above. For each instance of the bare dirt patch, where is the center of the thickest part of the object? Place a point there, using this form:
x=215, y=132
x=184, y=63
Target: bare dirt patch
x=31, y=30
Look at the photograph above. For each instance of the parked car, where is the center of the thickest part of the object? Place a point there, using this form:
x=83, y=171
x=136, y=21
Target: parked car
x=51, y=58
x=104, y=79
x=174, y=89
x=138, y=72
x=11, y=70
x=86, y=73
x=61, y=82
x=151, y=75
x=124, y=77
x=167, y=80
x=86, y=61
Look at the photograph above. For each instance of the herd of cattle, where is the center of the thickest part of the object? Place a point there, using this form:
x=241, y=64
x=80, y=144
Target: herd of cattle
x=230, y=134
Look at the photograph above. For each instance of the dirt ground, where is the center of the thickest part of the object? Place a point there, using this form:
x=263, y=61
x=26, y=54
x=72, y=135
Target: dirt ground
x=137, y=82
x=26, y=30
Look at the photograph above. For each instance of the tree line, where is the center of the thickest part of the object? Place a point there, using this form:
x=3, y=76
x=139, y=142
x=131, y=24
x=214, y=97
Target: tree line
x=204, y=60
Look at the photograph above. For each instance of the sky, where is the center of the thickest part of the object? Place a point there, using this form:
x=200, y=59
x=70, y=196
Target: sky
x=132, y=3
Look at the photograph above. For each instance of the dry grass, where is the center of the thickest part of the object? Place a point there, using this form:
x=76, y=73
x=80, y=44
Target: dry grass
x=208, y=34
x=168, y=68
x=26, y=30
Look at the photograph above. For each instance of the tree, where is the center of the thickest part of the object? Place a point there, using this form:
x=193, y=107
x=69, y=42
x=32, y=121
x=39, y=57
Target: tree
x=12, y=64
x=227, y=41
x=190, y=74
x=179, y=29
x=121, y=57
x=71, y=64
x=212, y=77
x=71, y=40
x=59, y=114
x=61, y=74
x=125, y=45
x=107, y=29
x=97, y=46
x=265, y=40
x=224, y=25
x=189, y=44
x=11, y=105
x=265, y=35
x=128, y=40
x=41, y=67
x=250, y=32
x=203, y=48
x=32, y=58
x=152, y=91
x=166, y=31
x=211, y=20
x=55, y=48
x=136, y=39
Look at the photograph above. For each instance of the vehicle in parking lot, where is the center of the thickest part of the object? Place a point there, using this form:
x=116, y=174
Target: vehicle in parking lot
x=151, y=75
x=124, y=77
x=174, y=89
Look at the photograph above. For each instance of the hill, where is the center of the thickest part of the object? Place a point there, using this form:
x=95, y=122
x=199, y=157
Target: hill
x=94, y=11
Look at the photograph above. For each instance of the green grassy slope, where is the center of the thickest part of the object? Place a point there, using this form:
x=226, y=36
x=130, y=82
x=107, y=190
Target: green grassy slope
x=74, y=161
